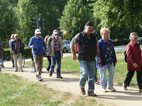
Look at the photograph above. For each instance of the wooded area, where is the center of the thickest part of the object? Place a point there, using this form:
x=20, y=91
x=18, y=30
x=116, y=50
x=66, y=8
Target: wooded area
x=121, y=16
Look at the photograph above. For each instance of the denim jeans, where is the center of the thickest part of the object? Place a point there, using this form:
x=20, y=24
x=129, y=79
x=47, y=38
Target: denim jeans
x=53, y=63
x=103, y=75
x=49, y=63
x=87, y=69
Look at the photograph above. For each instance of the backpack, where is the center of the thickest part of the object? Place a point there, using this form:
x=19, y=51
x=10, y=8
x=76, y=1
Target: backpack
x=125, y=56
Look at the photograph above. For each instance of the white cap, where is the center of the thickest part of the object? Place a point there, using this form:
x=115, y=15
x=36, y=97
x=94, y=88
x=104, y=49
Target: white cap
x=55, y=31
x=37, y=31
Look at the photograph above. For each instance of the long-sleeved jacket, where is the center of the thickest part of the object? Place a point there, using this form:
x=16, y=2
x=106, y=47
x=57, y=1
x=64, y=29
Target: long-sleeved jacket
x=50, y=46
x=14, y=47
x=133, y=56
x=39, y=46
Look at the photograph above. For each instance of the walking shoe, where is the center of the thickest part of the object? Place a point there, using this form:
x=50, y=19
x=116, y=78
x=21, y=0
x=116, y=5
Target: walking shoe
x=82, y=90
x=59, y=77
x=104, y=90
x=16, y=70
x=39, y=77
x=140, y=90
x=112, y=89
x=50, y=74
x=97, y=82
x=125, y=87
x=91, y=93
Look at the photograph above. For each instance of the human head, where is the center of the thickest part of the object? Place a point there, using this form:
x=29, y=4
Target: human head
x=55, y=33
x=16, y=37
x=12, y=36
x=133, y=37
x=37, y=33
x=105, y=33
x=89, y=28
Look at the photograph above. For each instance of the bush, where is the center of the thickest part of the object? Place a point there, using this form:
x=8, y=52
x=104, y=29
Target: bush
x=27, y=53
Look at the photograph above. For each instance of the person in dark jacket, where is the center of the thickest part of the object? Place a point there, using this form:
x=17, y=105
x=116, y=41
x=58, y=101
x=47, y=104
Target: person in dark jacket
x=108, y=59
x=18, y=50
x=134, y=61
x=88, y=49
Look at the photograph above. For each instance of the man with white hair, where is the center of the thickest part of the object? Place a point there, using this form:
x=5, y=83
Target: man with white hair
x=38, y=50
x=10, y=46
x=18, y=50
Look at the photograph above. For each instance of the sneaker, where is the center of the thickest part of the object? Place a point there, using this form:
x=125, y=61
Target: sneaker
x=82, y=90
x=91, y=93
x=112, y=89
x=140, y=90
x=59, y=77
x=104, y=90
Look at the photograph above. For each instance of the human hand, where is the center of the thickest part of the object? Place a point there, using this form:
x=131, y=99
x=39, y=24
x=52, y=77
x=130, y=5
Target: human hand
x=74, y=57
x=32, y=46
x=135, y=65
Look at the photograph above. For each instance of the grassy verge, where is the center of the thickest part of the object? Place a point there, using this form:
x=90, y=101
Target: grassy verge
x=71, y=66
x=16, y=91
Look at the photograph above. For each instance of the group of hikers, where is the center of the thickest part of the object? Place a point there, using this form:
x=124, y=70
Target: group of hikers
x=92, y=54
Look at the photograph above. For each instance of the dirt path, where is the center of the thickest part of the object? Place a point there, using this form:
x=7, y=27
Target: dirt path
x=70, y=84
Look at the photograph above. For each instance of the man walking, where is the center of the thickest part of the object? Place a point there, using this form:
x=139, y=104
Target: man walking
x=38, y=50
x=54, y=46
x=88, y=49
x=18, y=49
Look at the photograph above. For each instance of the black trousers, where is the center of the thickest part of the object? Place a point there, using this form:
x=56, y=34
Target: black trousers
x=129, y=78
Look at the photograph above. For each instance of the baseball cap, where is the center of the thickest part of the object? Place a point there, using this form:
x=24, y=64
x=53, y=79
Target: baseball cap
x=37, y=31
x=90, y=24
x=55, y=31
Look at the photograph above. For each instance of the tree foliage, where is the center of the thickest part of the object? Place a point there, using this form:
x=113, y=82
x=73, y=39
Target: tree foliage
x=118, y=12
x=25, y=11
x=75, y=15
x=7, y=20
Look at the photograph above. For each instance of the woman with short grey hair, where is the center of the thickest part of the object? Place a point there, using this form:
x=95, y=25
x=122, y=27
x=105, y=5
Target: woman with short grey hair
x=134, y=61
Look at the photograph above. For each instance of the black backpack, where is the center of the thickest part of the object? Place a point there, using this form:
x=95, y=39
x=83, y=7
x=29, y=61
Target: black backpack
x=125, y=56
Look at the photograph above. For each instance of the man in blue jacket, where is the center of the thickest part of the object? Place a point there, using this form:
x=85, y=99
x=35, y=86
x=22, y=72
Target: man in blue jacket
x=38, y=50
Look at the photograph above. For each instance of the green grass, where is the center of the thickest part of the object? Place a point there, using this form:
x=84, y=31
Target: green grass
x=70, y=66
x=16, y=91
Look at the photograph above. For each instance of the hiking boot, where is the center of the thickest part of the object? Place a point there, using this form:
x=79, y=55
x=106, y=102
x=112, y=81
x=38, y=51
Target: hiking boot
x=112, y=89
x=60, y=77
x=91, y=93
x=50, y=74
x=83, y=92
